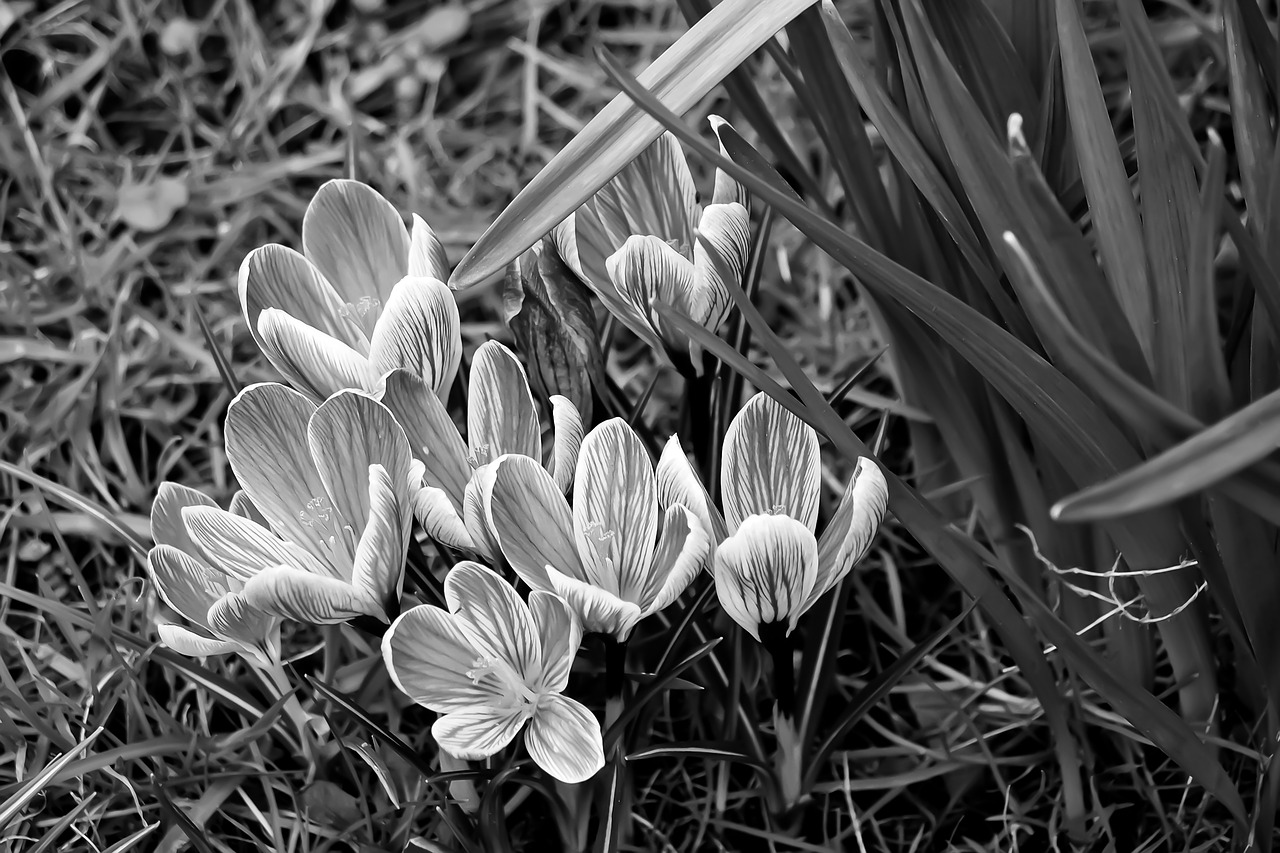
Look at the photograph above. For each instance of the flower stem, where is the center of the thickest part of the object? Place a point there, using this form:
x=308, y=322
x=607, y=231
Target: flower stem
x=700, y=417
x=615, y=679
x=789, y=758
x=308, y=726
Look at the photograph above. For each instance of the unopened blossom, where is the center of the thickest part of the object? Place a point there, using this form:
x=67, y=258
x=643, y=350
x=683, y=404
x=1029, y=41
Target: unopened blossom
x=769, y=566
x=331, y=485
x=644, y=238
x=502, y=418
x=491, y=664
x=365, y=296
x=614, y=557
x=219, y=616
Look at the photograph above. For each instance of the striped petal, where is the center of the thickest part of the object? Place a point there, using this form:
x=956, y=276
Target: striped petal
x=647, y=270
x=306, y=597
x=653, y=194
x=266, y=442
x=560, y=633
x=440, y=519
x=432, y=660
x=615, y=509
x=488, y=609
x=683, y=550
x=241, y=548
x=188, y=585
x=275, y=276
x=166, y=515
x=311, y=360
x=848, y=534
x=564, y=739
x=243, y=506
x=476, y=733
x=431, y=433
x=598, y=610
x=769, y=464
x=378, y=571
x=678, y=483
x=419, y=331
x=426, y=252
x=232, y=617
x=358, y=242
x=473, y=514
x=184, y=641
x=765, y=572
x=720, y=259
x=502, y=416
x=531, y=521
x=568, y=441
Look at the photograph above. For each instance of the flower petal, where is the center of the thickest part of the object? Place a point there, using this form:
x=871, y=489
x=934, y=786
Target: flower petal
x=473, y=514
x=232, y=617
x=615, y=509
x=646, y=270
x=720, y=258
x=564, y=739
x=266, y=441
x=243, y=506
x=653, y=194
x=598, y=610
x=561, y=635
x=309, y=598
x=765, y=572
x=678, y=483
x=187, y=584
x=431, y=659
x=426, y=253
x=276, y=276
x=769, y=464
x=348, y=433
x=476, y=733
x=378, y=570
x=849, y=532
x=431, y=433
x=419, y=331
x=568, y=440
x=502, y=416
x=358, y=241
x=241, y=548
x=531, y=521
x=488, y=607
x=683, y=550
x=166, y=515
x=438, y=516
x=312, y=361
x=184, y=641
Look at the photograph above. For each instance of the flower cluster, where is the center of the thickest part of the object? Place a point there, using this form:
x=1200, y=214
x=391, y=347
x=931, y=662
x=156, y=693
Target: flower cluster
x=336, y=468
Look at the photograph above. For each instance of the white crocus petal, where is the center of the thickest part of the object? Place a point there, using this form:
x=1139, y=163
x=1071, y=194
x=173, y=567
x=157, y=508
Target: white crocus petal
x=769, y=465
x=241, y=547
x=599, y=611
x=231, y=617
x=679, y=484
x=188, y=585
x=276, y=276
x=531, y=521
x=432, y=661
x=306, y=597
x=476, y=733
x=310, y=359
x=615, y=509
x=166, y=515
x=243, y=506
x=419, y=331
x=646, y=270
x=653, y=194
x=358, y=241
x=720, y=257
x=765, y=572
x=726, y=188
x=491, y=613
x=564, y=739
x=568, y=440
x=502, y=416
x=849, y=533
x=266, y=441
x=683, y=550
x=184, y=641
x=439, y=517
x=426, y=252
x=583, y=246
x=378, y=570
x=473, y=514
x=560, y=633
x=348, y=433
x=430, y=430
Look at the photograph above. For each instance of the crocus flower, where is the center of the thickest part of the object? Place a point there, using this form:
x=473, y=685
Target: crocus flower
x=607, y=556
x=492, y=663
x=772, y=568
x=502, y=418
x=366, y=296
x=331, y=485
x=221, y=619
x=643, y=238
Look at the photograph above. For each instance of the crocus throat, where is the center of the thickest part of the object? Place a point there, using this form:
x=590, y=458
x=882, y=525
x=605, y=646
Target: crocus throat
x=519, y=694
x=363, y=310
x=481, y=455
x=320, y=517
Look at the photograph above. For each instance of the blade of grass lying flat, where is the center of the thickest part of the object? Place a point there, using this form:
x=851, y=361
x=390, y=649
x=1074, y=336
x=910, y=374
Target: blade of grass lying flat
x=680, y=77
x=74, y=499
x=1115, y=215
